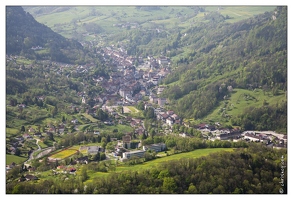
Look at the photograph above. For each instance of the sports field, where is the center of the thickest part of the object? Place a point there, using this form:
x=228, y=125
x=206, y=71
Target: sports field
x=63, y=154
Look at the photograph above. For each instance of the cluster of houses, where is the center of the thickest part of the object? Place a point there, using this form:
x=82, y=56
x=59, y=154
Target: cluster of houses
x=32, y=133
x=128, y=82
x=271, y=139
x=167, y=117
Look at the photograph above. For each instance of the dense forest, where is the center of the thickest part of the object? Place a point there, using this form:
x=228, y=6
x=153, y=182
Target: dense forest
x=23, y=33
x=268, y=117
x=255, y=170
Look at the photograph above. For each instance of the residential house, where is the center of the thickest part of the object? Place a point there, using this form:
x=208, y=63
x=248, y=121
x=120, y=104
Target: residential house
x=27, y=136
x=83, y=100
x=31, y=130
x=170, y=112
x=160, y=90
x=153, y=99
x=163, y=60
x=175, y=117
x=61, y=128
x=169, y=121
x=126, y=141
x=155, y=80
x=164, y=117
x=11, y=166
x=162, y=101
x=31, y=169
x=148, y=105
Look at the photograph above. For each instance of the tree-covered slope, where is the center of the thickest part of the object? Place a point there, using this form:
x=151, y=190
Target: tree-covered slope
x=23, y=32
x=248, y=54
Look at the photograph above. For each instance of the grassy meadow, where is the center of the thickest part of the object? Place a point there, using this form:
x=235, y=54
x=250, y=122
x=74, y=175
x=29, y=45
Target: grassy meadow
x=16, y=159
x=153, y=163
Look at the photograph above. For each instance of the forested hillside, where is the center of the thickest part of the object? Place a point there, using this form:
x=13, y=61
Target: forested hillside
x=24, y=33
x=244, y=171
x=250, y=54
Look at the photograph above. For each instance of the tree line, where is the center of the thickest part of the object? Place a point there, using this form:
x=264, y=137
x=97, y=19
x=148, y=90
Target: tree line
x=243, y=171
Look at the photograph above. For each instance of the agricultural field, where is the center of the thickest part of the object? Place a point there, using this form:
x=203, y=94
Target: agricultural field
x=82, y=18
x=11, y=132
x=237, y=13
x=16, y=159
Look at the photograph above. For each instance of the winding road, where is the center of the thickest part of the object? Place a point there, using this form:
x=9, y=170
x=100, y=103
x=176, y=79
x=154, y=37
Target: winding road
x=43, y=153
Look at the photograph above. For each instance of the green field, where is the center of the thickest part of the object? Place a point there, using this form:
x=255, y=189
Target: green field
x=65, y=20
x=42, y=145
x=120, y=127
x=13, y=158
x=153, y=163
x=11, y=131
x=238, y=13
x=89, y=117
x=135, y=113
x=132, y=109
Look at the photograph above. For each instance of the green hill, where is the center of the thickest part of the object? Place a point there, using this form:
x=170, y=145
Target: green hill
x=24, y=34
x=250, y=54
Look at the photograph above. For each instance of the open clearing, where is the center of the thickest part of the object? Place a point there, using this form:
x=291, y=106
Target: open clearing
x=130, y=109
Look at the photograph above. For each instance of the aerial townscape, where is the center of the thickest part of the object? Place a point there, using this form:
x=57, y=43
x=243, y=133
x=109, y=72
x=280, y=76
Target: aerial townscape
x=146, y=100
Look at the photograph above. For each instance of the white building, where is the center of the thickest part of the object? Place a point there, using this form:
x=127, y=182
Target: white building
x=138, y=153
x=156, y=147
